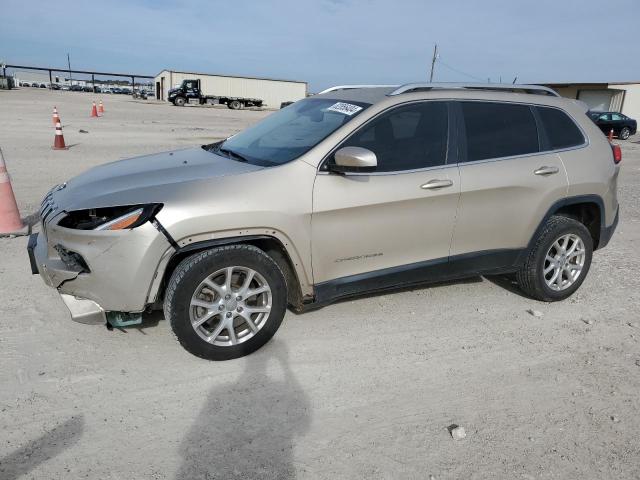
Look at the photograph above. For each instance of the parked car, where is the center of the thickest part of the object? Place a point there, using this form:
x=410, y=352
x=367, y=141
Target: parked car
x=34, y=84
x=65, y=88
x=76, y=88
x=25, y=84
x=106, y=90
x=43, y=85
x=623, y=127
x=285, y=104
x=349, y=191
x=55, y=86
x=116, y=90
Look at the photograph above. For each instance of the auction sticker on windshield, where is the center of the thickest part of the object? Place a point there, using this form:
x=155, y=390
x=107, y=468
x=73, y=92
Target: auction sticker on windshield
x=346, y=108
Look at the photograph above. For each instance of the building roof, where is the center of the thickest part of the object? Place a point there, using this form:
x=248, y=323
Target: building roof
x=229, y=76
x=568, y=84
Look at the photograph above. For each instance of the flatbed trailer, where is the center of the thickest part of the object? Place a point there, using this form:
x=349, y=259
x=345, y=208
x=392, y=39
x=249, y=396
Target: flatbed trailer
x=189, y=92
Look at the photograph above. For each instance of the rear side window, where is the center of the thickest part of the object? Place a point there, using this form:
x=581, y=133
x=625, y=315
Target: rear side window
x=561, y=131
x=496, y=130
x=408, y=137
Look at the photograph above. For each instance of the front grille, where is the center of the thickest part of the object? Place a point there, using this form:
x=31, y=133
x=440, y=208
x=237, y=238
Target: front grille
x=47, y=207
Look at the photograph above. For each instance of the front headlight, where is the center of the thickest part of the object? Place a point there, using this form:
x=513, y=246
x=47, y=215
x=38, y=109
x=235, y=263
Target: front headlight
x=110, y=218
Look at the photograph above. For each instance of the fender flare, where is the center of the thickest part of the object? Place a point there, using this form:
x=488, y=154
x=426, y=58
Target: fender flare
x=555, y=207
x=177, y=251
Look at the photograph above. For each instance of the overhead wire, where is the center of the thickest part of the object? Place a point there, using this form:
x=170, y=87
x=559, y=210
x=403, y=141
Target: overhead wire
x=456, y=70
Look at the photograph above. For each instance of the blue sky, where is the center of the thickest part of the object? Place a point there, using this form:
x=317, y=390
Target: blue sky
x=327, y=42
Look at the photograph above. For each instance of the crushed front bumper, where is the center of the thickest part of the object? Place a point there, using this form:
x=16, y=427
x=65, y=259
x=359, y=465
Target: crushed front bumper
x=115, y=274
x=81, y=309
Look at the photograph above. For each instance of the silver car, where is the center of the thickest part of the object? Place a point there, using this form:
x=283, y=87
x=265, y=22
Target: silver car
x=357, y=189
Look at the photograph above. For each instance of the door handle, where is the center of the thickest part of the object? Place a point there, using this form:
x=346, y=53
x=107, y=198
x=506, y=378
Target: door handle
x=546, y=171
x=435, y=184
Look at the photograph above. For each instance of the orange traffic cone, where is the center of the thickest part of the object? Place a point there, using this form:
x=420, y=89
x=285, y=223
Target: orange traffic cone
x=94, y=110
x=58, y=141
x=610, y=136
x=100, y=107
x=10, y=221
x=56, y=117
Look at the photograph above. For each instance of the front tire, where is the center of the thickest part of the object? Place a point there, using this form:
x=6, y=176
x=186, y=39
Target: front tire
x=226, y=302
x=179, y=101
x=558, y=262
x=625, y=133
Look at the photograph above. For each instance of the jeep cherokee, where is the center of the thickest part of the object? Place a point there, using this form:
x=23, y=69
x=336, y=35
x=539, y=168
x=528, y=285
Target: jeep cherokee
x=356, y=189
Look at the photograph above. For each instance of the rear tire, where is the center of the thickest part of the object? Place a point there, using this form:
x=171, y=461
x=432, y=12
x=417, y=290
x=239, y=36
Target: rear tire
x=625, y=133
x=235, y=105
x=551, y=255
x=229, y=321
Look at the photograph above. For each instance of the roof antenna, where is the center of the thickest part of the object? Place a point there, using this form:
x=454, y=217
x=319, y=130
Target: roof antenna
x=514, y=80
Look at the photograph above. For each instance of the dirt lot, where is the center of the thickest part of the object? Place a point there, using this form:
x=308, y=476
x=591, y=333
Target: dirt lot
x=362, y=389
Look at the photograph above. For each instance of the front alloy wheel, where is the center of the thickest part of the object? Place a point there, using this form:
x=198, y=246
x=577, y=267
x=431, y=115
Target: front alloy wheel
x=230, y=306
x=226, y=302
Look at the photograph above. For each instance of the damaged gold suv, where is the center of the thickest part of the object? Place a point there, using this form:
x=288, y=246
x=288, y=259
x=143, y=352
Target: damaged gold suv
x=357, y=189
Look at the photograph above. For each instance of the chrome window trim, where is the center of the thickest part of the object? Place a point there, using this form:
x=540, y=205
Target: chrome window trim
x=585, y=144
x=585, y=137
x=394, y=172
x=526, y=155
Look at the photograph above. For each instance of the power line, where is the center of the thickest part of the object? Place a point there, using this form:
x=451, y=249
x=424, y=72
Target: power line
x=453, y=69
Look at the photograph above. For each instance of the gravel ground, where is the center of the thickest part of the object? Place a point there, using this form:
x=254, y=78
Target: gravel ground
x=340, y=393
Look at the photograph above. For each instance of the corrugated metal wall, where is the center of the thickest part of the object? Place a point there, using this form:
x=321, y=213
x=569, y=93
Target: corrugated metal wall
x=272, y=92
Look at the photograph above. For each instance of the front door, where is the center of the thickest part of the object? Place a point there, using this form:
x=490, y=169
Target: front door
x=399, y=216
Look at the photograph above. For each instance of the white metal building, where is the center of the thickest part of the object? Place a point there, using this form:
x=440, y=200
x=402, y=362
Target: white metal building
x=273, y=92
x=623, y=97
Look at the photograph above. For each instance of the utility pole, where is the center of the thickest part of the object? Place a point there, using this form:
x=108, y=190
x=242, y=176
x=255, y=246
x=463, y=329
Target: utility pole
x=433, y=61
x=69, y=65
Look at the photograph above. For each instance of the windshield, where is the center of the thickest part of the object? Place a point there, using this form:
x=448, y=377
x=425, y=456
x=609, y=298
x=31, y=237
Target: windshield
x=290, y=132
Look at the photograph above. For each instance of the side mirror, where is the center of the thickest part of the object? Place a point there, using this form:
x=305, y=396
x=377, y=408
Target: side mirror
x=354, y=159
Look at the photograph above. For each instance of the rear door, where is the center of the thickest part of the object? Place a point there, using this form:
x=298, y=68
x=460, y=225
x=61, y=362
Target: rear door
x=507, y=182
x=401, y=214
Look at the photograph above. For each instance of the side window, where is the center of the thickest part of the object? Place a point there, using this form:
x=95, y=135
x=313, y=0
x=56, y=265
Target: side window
x=615, y=116
x=406, y=138
x=605, y=118
x=561, y=130
x=496, y=130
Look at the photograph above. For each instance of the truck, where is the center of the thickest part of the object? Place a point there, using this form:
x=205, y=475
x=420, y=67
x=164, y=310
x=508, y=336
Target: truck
x=189, y=91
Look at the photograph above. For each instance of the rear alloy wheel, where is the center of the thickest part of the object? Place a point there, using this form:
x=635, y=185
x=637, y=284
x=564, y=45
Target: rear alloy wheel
x=226, y=302
x=625, y=133
x=564, y=262
x=558, y=262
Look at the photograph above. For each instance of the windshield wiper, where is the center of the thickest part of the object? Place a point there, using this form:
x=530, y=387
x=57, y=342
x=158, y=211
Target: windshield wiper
x=232, y=154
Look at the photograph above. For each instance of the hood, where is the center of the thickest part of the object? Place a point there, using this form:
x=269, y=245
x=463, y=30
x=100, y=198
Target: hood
x=146, y=179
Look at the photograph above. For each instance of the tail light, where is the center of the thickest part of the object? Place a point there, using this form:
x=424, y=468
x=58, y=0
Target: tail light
x=617, y=153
